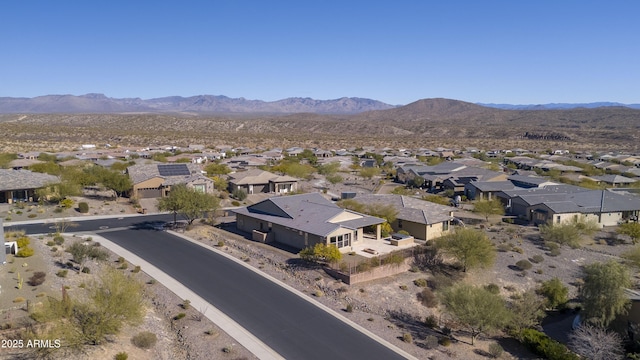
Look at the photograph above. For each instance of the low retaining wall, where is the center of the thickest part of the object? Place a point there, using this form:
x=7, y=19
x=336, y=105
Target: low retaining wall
x=377, y=272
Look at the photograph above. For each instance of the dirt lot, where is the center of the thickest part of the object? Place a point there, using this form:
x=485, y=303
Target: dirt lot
x=388, y=307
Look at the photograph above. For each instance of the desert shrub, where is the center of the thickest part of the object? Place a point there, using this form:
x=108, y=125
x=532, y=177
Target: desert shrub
x=555, y=292
x=59, y=240
x=144, y=340
x=50, y=243
x=31, y=216
x=62, y=273
x=431, y=322
x=318, y=293
x=220, y=243
x=22, y=242
x=25, y=252
x=363, y=266
x=179, y=316
x=518, y=250
x=493, y=288
x=37, y=278
x=543, y=345
x=404, y=287
x=420, y=282
x=83, y=207
x=121, y=356
x=123, y=266
x=19, y=300
x=537, y=259
x=136, y=269
x=524, y=265
x=186, y=304
x=554, y=252
x=235, y=203
x=431, y=341
x=239, y=194
x=495, y=350
x=86, y=270
x=445, y=341
x=406, y=337
x=349, y=308
x=120, y=260
x=414, y=269
x=428, y=298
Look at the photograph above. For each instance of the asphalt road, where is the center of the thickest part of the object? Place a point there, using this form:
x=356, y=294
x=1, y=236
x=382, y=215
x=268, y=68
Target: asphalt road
x=291, y=326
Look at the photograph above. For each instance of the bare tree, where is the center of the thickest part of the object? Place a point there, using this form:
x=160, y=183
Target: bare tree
x=596, y=343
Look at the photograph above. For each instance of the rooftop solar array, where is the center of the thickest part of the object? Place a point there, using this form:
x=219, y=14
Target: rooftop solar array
x=174, y=170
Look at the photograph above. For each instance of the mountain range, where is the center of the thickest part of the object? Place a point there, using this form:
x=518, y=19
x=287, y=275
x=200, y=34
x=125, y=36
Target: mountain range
x=200, y=104
x=218, y=104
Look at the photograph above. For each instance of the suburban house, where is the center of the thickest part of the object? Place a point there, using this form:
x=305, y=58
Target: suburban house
x=487, y=190
x=21, y=185
x=448, y=175
x=555, y=204
x=423, y=220
x=304, y=220
x=259, y=181
x=155, y=180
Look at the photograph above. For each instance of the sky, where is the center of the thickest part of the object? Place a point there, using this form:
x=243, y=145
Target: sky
x=492, y=51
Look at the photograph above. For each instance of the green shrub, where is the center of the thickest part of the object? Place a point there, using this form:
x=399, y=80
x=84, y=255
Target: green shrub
x=537, y=259
x=349, y=308
x=543, y=345
x=59, y=240
x=50, y=243
x=493, y=288
x=179, y=316
x=431, y=322
x=144, y=340
x=404, y=287
x=186, y=304
x=66, y=203
x=235, y=203
x=22, y=242
x=495, y=350
x=86, y=270
x=420, y=282
x=220, y=243
x=25, y=252
x=239, y=194
x=120, y=260
x=31, y=216
x=136, y=269
x=554, y=252
x=124, y=266
x=524, y=265
x=83, y=207
x=445, y=341
x=121, y=356
x=62, y=273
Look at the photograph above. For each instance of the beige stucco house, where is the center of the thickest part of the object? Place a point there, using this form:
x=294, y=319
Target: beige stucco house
x=301, y=221
x=155, y=180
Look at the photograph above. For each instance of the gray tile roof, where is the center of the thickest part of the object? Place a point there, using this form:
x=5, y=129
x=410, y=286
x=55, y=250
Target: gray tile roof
x=24, y=179
x=493, y=185
x=311, y=213
x=409, y=208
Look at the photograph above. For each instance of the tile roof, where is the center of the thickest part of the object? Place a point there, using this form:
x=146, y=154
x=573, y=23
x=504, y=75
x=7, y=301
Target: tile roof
x=409, y=208
x=257, y=176
x=143, y=172
x=311, y=213
x=24, y=179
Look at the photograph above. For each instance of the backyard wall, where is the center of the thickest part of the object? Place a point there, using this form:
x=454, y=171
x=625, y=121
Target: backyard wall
x=378, y=272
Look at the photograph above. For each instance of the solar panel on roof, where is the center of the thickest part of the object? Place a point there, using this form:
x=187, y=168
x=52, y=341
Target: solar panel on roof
x=174, y=170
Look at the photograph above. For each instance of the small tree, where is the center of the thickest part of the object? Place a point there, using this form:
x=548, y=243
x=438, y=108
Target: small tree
x=476, y=308
x=596, y=343
x=603, y=292
x=189, y=202
x=469, y=246
x=488, y=207
x=526, y=311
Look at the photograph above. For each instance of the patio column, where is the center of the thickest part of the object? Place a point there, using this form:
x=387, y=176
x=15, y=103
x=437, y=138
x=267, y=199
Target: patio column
x=378, y=232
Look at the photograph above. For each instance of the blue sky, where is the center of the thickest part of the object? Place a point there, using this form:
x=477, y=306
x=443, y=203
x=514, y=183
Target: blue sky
x=517, y=52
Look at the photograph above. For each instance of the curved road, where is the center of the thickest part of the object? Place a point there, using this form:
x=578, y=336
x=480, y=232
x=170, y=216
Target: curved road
x=290, y=325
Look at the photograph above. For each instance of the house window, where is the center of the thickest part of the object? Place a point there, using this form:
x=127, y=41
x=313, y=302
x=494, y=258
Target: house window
x=200, y=188
x=340, y=241
x=445, y=226
x=558, y=219
x=400, y=223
